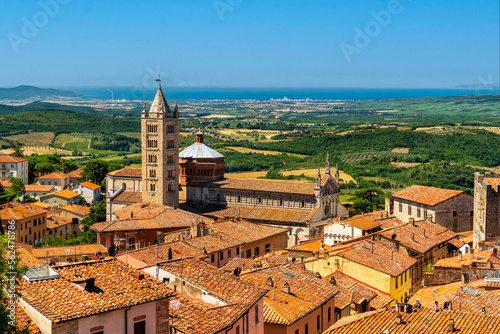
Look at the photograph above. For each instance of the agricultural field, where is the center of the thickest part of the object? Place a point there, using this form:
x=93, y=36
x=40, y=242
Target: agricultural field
x=307, y=172
x=218, y=116
x=249, y=134
x=29, y=150
x=130, y=134
x=33, y=138
x=251, y=150
x=353, y=158
x=72, y=142
x=493, y=129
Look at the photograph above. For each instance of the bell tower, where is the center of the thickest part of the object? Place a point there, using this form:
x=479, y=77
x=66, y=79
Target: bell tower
x=160, y=152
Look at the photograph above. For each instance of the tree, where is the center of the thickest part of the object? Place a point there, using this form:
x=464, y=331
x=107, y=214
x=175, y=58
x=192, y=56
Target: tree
x=97, y=214
x=16, y=189
x=9, y=264
x=367, y=200
x=95, y=170
x=68, y=166
x=17, y=147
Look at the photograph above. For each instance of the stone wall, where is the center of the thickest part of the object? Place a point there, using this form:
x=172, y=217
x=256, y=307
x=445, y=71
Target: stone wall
x=486, y=209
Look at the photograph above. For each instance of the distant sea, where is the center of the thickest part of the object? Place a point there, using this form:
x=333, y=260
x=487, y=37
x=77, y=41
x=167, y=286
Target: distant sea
x=186, y=93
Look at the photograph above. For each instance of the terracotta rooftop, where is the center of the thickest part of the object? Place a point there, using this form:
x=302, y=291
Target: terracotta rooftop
x=90, y=185
x=311, y=246
x=421, y=237
x=42, y=205
x=197, y=317
x=28, y=259
x=37, y=187
x=76, y=174
x=22, y=211
x=144, y=216
x=53, y=176
x=424, y=320
x=57, y=221
x=469, y=300
x=246, y=264
x=213, y=243
x=466, y=237
x=426, y=195
x=128, y=197
x=252, y=212
x=307, y=292
x=8, y=158
x=146, y=257
x=5, y=183
x=494, y=181
x=453, y=262
x=246, y=232
x=127, y=172
x=75, y=208
x=365, y=221
x=43, y=252
x=23, y=322
x=296, y=188
x=376, y=255
x=66, y=193
x=223, y=286
x=63, y=299
x=354, y=291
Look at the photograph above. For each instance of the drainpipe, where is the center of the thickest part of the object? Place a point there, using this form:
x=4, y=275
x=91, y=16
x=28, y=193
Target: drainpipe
x=126, y=320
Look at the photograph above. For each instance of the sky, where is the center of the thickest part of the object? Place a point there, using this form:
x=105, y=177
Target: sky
x=250, y=43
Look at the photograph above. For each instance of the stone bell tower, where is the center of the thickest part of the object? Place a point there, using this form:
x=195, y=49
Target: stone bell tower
x=160, y=152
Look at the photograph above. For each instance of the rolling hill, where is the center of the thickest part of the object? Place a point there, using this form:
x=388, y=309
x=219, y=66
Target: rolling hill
x=31, y=92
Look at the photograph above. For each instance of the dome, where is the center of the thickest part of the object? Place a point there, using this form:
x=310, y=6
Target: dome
x=200, y=151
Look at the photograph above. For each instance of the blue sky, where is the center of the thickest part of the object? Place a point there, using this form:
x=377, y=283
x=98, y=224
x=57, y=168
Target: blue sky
x=250, y=43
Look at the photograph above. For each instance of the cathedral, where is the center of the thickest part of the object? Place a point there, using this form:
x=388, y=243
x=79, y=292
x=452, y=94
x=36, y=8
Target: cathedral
x=198, y=173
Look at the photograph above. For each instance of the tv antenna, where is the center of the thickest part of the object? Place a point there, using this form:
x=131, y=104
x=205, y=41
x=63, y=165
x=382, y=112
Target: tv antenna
x=159, y=78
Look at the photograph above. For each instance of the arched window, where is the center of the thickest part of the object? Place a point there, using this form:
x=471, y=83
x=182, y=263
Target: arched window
x=152, y=187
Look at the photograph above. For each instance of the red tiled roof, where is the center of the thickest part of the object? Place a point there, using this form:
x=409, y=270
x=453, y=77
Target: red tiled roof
x=307, y=292
x=66, y=193
x=128, y=197
x=494, y=181
x=246, y=231
x=471, y=300
x=453, y=262
x=213, y=243
x=426, y=195
x=258, y=213
x=8, y=158
x=146, y=216
x=422, y=236
x=148, y=257
x=90, y=185
x=57, y=221
x=297, y=188
x=366, y=221
x=23, y=321
x=21, y=211
x=53, y=176
x=376, y=255
x=127, y=172
x=43, y=252
x=76, y=174
x=62, y=299
x=27, y=259
x=424, y=320
x=5, y=183
x=75, y=208
x=246, y=264
x=37, y=187
x=223, y=286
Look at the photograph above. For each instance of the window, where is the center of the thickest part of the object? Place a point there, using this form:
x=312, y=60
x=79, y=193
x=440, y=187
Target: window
x=400, y=207
x=396, y=282
x=170, y=144
x=454, y=213
x=140, y=327
x=296, y=331
x=257, y=251
x=267, y=248
x=152, y=187
x=256, y=314
x=472, y=213
x=170, y=159
x=303, y=204
x=229, y=253
x=306, y=329
x=97, y=330
x=222, y=255
x=170, y=187
x=329, y=314
x=152, y=173
x=237, y=329
x=246, y=324
x=409, y=210
x=34, y=222
x=249, y=252
x=213, y=257
x=418, y=212
x=318, y=322
x=170, y=129
x=237, y=251
x=170, y=174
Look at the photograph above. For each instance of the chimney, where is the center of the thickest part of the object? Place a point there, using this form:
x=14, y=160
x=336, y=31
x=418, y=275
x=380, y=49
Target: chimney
x=451, y=326
x=269, y=281
x=90, y=284
x=436, y=306
x=169, y=253
x=424, y=233
x=429, y=218
x=174, y=206
x=399, y=319
x=381, y=215
x=286, y=288
x=386, y=214
x=412, y=221
x=472, y=253
x=459, y=256
x=132, y=215
x=140, y=277
x=412, y=237
x=417, y=304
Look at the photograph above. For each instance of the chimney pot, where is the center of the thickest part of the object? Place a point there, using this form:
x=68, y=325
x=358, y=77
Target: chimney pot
x=459, y=256
x=451, y=326
x=286, y=288
x=412, y=221
x=399, y=319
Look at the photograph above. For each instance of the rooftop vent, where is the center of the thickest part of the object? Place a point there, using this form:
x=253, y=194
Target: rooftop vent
x=286, y=288
x=269, y=281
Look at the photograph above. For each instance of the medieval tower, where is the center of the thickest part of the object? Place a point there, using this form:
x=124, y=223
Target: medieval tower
x=160, y=152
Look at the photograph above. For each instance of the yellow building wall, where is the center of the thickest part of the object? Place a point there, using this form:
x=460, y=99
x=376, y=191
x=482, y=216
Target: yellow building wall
x=367, y=275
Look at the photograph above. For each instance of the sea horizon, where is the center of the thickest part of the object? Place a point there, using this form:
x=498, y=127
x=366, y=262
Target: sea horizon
x=262, y=94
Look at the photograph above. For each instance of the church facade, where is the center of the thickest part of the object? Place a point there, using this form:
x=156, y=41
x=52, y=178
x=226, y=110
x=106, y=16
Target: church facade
x=199, y=170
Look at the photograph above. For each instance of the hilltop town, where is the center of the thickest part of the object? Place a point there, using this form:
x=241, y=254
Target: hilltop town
x=176, y=244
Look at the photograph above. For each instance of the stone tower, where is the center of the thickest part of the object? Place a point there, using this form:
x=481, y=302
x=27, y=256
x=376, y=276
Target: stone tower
x=486, y=208
x=160, y=152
